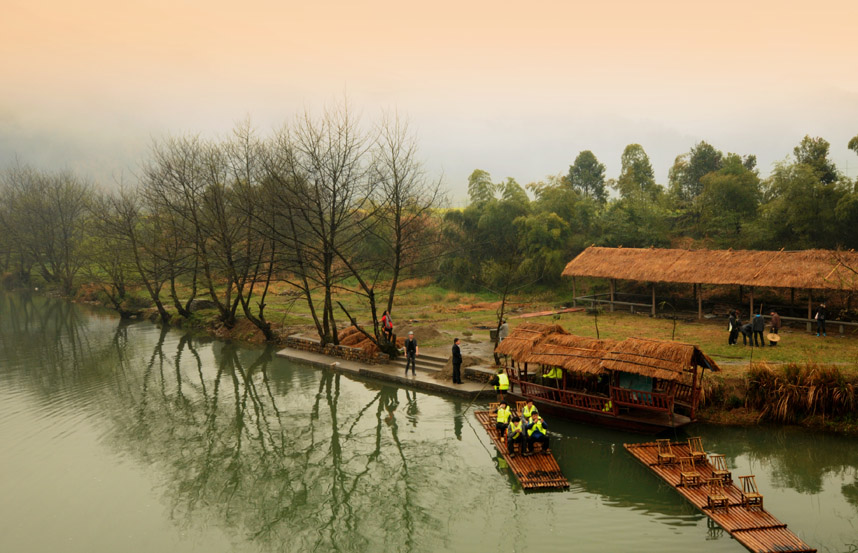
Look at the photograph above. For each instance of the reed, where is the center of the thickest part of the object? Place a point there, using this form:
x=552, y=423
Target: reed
x=791, y=392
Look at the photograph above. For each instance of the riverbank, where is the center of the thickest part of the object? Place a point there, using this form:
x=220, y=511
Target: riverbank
x=437, y=316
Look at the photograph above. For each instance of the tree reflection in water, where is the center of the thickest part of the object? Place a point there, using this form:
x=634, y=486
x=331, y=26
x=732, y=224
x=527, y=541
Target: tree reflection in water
x=294, y=469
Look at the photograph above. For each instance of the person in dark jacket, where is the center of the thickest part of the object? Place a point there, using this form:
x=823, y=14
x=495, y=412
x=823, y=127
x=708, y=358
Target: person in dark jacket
x=457, y=362
x=411, y=351
x=746, y=334
x=759, y=325
x=733, y=326
x=821, y=312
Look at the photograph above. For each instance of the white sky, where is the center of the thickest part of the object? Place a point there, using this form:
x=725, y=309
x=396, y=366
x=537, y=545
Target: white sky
x=516, y=89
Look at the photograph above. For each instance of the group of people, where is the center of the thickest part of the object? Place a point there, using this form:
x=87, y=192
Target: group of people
x=752, y=331
x=525, y=430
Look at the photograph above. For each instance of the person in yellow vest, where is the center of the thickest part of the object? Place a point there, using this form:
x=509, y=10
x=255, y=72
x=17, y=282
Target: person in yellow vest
x=515, y=435
x=609, y=407
x=504, y=414
x=501, y=383
x=528, y=410
x=537, y=433
x=553, y=377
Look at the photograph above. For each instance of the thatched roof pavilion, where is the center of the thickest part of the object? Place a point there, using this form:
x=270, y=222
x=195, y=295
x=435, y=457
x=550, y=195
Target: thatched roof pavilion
x=809, y=269
x=570, y=352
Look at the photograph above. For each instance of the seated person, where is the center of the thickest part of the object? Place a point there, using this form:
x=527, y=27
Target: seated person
x=503, y=415
x=515, y=435
x=537, y=433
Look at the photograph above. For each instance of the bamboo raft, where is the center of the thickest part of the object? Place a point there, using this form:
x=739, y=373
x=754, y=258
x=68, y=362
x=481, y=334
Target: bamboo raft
x=755, y=528
x=538, y=471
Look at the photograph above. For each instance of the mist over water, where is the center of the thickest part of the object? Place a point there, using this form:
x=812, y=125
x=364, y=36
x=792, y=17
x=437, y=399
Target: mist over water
x=124, y=436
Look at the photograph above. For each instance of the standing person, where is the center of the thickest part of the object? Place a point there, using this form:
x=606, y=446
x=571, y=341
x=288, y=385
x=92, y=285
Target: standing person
x=537, y=433
x=503, y=331
x=759, y=325
x=387, y=325
x=501, y=383
x=514, y=435
x=457, y=362
x=821, y=312
x=776, y=326
x=411, y=352
x=734, y=325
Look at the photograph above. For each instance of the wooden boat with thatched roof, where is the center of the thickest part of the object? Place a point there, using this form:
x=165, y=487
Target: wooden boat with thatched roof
x=636, y=384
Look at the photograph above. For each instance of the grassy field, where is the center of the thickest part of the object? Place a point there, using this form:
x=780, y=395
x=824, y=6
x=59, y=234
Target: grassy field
x=442, y=314
x=424, y=305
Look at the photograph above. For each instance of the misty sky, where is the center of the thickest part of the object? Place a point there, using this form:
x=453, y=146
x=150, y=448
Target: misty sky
x=516, y=89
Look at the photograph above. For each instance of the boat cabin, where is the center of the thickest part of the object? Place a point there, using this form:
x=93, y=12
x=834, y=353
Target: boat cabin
x=636, y=383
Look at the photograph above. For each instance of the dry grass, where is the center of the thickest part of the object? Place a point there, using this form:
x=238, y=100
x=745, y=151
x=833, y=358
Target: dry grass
x=817, y=269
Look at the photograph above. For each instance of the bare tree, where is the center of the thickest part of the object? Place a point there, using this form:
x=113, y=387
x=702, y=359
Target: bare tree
x=319, y=184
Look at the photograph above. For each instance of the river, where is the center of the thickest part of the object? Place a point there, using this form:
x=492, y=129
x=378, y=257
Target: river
x=127, y=437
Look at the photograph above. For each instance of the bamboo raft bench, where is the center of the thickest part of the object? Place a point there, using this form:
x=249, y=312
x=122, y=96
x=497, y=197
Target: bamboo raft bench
x=537, y=471
x=739, y=511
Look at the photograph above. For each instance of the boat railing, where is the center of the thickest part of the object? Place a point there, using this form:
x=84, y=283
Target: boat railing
x=578, y=400
x=644, y=400
x=684, y=393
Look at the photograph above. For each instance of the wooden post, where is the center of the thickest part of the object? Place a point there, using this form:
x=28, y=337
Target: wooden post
x=695, y=395
x=699, y=288
x=752, y=302
x=741, y=293
x=792, y=297
x=809, y=309
x=613, y=289
x=653, y=299
x=574, y=293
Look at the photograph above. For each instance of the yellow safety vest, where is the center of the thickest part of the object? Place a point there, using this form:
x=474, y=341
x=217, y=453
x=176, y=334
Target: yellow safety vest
x=536, y=426
x=514, y=430
x=608, y=407
x=503, y=382
x=504, y=415
x=529, y=411
x=555, y=372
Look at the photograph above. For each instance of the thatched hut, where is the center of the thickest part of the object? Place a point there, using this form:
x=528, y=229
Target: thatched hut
x=803, y=270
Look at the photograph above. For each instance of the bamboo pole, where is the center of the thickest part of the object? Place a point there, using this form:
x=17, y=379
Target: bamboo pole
x=809, y=309
x=699, y=288
x=752, y=302
x=613, y=289
x=574, y=293
x=653, y=299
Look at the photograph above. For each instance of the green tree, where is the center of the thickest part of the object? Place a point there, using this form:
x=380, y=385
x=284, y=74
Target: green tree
x=688, y=170
x=637, y=179
x=587, y=176
x=814, y=153
x=730, y=199
x=480, y=186
x=799, y=208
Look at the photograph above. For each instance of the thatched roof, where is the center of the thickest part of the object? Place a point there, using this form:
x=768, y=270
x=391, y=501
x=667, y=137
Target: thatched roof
x=655, y=358
x=552, y=346
x=521, y=340
x=816, y=269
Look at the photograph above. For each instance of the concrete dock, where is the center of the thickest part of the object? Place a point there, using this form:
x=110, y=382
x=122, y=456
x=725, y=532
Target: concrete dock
x=424, y=379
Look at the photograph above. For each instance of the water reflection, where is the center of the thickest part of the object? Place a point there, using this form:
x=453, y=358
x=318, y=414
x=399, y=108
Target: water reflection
x=294, y=459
